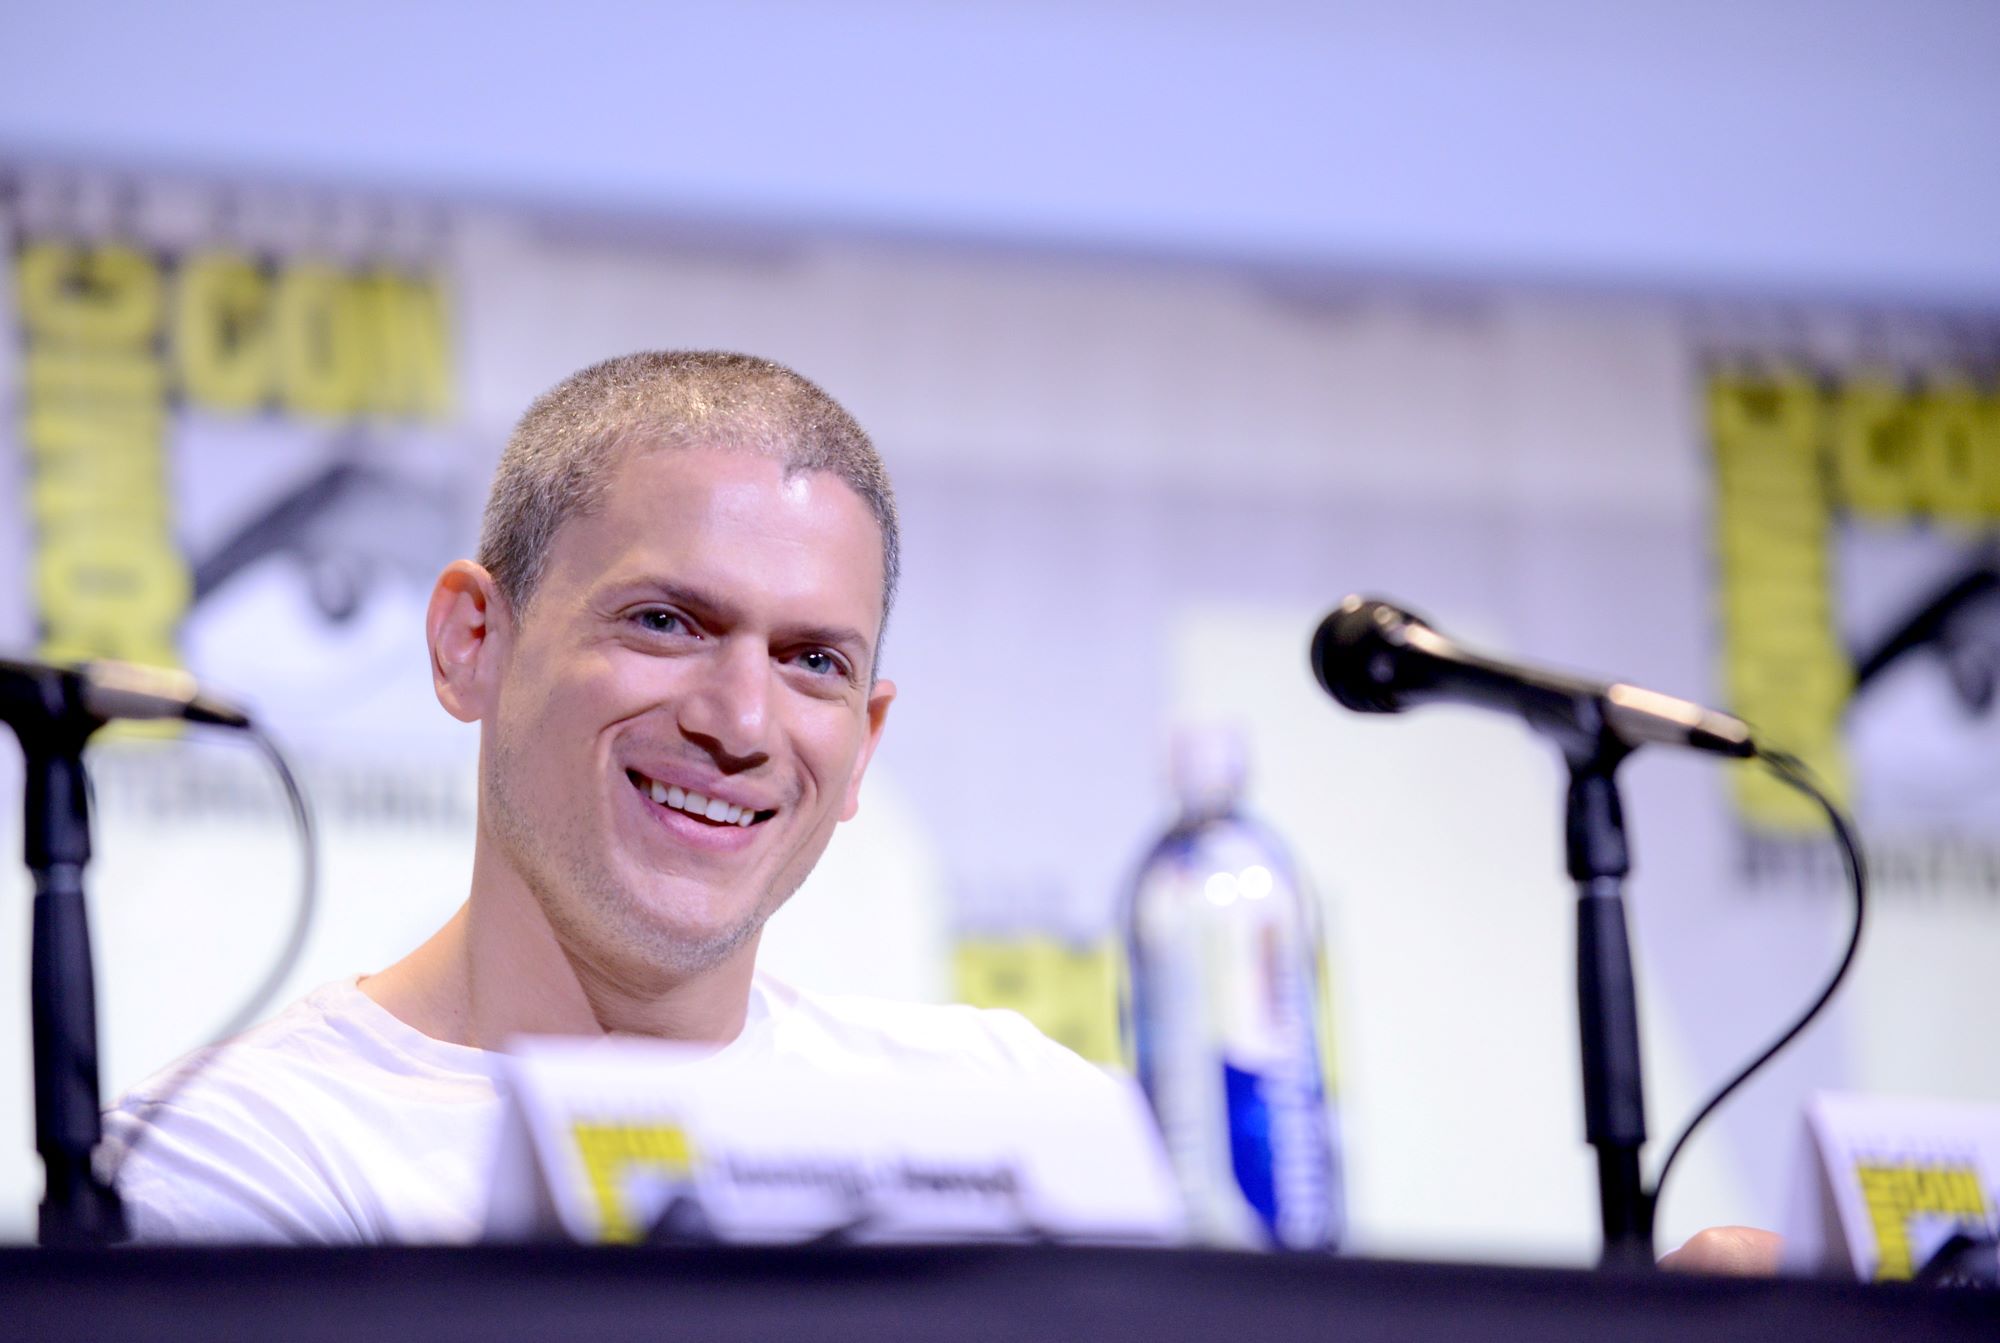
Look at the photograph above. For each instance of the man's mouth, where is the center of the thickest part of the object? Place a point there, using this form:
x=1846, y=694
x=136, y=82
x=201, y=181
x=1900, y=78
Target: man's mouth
x=711, y=809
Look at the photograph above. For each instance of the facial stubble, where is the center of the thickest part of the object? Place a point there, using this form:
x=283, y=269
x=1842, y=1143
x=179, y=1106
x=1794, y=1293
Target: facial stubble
x=605, y=928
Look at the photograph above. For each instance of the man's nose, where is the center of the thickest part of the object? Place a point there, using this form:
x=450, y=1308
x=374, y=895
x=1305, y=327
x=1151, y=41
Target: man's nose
x=728, y=709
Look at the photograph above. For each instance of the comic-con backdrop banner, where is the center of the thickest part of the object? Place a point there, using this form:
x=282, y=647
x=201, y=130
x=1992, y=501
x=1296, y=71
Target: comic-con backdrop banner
x=139, y=362
x=245, y=425
x=1857, y=524
x=235, y=421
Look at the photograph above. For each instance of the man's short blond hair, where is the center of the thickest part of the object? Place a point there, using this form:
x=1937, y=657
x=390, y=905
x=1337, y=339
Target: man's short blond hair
x=562, y=454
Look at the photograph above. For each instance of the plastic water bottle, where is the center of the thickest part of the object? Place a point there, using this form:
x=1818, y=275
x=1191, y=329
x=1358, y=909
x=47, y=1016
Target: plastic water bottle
x=1227, y=989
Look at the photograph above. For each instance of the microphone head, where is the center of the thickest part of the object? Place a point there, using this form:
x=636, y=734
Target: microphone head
x=1357, y=653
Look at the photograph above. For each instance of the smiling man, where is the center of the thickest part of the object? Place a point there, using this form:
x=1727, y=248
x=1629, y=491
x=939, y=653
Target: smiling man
x=669, y=644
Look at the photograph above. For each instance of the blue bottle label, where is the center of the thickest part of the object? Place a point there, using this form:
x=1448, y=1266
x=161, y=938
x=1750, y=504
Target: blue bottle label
x=1281, y=1154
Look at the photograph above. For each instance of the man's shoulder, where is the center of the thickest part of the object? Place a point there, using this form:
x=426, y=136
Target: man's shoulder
x=332, y=1037
x=263, y=1054
x=853, y=1030
x=271, y=1134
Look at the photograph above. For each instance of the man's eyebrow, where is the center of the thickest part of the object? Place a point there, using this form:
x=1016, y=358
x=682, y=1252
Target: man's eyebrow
x=844, y=637
x=708, y=606
x=698, y=602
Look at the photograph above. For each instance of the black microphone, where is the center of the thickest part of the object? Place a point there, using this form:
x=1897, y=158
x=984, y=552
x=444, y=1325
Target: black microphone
x=1377, y=658
x=105, y=690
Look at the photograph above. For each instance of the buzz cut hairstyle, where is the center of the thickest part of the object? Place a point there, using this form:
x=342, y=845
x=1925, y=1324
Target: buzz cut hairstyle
x=559, y=461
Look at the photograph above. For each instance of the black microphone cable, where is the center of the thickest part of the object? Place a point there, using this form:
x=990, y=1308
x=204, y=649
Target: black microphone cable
x=287, y=960
x=259, y=1000
x=1794, y=772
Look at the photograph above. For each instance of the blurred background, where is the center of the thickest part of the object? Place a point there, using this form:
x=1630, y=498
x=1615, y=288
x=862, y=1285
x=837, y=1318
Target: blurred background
x=1658, y=342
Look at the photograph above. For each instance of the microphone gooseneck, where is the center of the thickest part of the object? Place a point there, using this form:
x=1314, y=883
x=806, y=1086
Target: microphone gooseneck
x=34, y=693
x=1375, y=657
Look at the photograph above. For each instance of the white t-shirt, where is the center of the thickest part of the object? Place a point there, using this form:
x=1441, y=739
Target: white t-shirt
x=335, y=1122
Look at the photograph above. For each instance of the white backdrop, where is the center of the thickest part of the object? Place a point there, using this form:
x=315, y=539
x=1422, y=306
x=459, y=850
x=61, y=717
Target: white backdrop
x=1130, y=490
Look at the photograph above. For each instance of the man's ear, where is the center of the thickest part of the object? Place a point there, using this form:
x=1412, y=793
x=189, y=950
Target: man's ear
x=880, y=696
x=470, y=627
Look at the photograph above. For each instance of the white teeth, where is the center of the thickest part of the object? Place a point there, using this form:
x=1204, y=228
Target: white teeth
x=710, y=808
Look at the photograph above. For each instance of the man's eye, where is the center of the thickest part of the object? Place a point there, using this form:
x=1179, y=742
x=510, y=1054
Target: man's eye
x=821, y=663
x=661, y=622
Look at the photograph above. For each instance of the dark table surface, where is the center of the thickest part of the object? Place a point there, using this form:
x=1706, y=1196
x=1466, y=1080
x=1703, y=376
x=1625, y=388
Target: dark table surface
x=1040, y=1293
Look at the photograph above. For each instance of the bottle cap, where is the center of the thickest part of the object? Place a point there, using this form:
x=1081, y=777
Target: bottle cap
x=1210, y=763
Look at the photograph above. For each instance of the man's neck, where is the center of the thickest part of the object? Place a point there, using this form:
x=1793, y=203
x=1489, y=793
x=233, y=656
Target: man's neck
x=498, y=969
